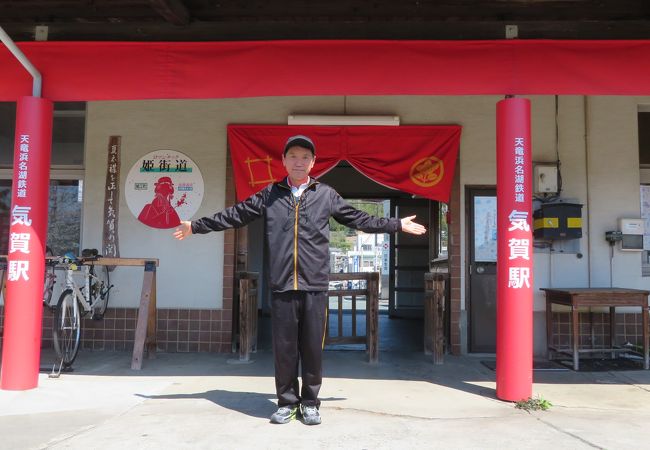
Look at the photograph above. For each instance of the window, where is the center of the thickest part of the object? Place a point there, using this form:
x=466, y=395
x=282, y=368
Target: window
x=66, y=185
x=644, y=162
x=64, y=218
x=353, y=253
x=7, y=133
x=645, y=215
x=439, y=230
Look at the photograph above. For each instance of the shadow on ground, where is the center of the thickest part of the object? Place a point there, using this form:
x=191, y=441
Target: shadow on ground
x=252, y=404
x=401, y=358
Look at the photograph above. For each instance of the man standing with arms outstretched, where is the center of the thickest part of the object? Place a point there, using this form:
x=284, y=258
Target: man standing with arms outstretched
x=296, y=211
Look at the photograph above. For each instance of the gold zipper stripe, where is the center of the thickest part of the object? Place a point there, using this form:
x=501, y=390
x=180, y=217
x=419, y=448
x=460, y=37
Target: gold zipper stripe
x=326, y=318
x=295, y=248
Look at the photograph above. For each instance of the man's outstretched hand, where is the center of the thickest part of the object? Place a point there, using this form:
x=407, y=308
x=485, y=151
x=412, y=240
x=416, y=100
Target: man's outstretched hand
x=183, y=230
x=408, y=226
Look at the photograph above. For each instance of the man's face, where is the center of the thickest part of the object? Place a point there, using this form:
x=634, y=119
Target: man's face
x=298, y=161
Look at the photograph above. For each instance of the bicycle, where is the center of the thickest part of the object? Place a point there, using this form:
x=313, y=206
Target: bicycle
x=49, y=280
x=76, y=302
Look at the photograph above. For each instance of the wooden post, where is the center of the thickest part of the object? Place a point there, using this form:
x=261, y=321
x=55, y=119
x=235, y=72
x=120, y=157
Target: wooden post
x=434, y=315
x=234, y=337
x=438, y=319
x=340, y=317
x=372, y=309
x=428, y=313
x=612, y=329
x=549, y=330
x=252, y=293
x=244, y=312
x=354, y=315
x=151, y=341
x=575, y=331
x=247, y=305
x=143, y=327
x=646, y=339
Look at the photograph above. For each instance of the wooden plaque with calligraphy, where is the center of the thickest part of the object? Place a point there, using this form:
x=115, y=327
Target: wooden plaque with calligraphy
x=110, y=242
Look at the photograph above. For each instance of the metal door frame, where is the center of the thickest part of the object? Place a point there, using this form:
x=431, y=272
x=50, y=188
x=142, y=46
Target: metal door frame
x=470, y=192
x=392, y=310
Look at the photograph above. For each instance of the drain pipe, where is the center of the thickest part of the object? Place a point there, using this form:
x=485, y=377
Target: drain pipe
x=20, y=56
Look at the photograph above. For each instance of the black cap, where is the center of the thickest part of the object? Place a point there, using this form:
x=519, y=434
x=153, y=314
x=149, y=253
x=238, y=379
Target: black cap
x=300, y=141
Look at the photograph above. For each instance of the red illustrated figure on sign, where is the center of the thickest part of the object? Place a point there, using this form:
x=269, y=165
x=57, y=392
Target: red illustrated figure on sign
x=160, y=213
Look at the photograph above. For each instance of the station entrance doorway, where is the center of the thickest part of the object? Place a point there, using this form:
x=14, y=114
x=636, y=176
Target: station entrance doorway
x=407, y=170
x=401, y=259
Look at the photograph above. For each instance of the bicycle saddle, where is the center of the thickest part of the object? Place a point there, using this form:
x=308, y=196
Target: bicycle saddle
x=89, y=252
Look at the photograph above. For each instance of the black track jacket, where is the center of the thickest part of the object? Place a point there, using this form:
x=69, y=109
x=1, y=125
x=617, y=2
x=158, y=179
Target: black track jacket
x=297, y=230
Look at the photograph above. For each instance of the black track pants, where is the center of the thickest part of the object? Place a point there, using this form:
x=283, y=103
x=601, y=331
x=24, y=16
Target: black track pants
x=298, y=321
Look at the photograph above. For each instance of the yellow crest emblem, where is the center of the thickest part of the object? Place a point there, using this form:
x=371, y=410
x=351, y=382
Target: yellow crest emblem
x=427, y=171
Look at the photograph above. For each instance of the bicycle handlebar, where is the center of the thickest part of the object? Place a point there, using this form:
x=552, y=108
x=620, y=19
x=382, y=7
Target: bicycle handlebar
x=69, y=258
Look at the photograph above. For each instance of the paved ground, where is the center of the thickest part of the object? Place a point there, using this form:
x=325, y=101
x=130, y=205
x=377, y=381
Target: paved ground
x=405, y=402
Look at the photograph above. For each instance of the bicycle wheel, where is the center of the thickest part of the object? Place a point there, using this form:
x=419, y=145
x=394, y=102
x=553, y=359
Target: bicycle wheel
x=66, y=329
x=99, y=290
x=49, y=280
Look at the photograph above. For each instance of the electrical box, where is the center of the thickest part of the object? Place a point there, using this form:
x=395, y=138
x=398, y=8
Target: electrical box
x=632, y=231
x=545, y=179
x=558, y=221
x=613, y=237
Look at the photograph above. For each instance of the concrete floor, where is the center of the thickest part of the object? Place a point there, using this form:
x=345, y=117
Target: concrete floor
x=210, y=401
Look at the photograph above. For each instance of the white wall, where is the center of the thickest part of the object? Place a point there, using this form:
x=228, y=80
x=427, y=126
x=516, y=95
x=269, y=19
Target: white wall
x=191, y=272
x=477, y=145
x=477, y=116
x=144, y=127
x=597, y=145
x=613, y=186
x=555, y=268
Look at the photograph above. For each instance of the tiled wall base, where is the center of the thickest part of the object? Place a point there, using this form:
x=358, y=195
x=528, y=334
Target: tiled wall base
x=192, y=330
x=179, y=330
x=594, y=329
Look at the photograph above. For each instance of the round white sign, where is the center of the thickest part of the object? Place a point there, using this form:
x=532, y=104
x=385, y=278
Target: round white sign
x=164, y=187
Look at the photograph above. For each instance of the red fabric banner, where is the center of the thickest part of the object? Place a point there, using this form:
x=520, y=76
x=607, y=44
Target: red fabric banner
x=416, y=159
x=86, y=71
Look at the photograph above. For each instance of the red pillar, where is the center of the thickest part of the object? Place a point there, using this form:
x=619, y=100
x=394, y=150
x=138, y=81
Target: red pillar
x=514, y=251
x=27, y=238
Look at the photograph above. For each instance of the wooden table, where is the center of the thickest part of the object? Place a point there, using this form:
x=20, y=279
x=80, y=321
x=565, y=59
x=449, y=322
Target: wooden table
x=145, y=329
x=587, y=297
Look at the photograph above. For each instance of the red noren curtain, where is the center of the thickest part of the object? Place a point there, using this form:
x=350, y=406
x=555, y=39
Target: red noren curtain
x=415, y=159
